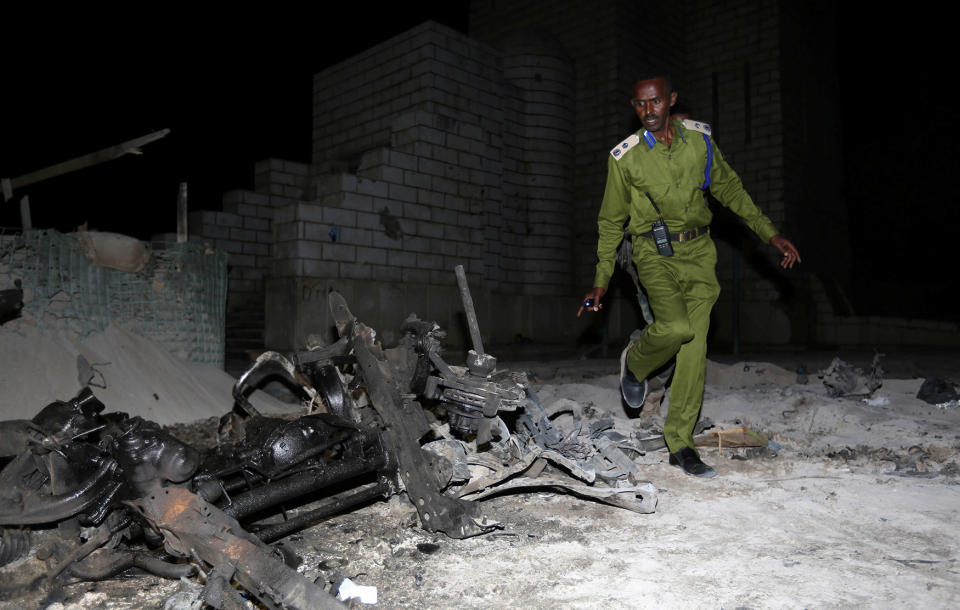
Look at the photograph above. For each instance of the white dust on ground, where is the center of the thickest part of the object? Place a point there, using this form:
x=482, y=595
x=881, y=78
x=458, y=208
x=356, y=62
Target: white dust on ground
x=810, y=527
x=142, y=378
x=792, y=531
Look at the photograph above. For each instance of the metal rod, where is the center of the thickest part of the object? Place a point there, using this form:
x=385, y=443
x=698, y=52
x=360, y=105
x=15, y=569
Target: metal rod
x=25, y=220
x=287, y=489
x=130, y=147
x=469, y=310
x=182, y=214
x=329, y=506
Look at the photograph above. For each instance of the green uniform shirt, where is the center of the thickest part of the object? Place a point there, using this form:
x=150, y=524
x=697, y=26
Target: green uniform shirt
x=673, y=177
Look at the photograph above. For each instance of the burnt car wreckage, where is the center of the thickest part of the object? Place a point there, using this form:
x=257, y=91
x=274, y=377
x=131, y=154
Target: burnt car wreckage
x=116, y=492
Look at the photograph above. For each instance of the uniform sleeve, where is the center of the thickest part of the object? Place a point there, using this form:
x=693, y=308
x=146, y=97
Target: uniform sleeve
x=613, y=213
x=726, y=186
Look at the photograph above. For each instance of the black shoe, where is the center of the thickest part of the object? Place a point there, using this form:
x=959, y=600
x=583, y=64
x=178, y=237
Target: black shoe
x=688, y=459
x=634, y=391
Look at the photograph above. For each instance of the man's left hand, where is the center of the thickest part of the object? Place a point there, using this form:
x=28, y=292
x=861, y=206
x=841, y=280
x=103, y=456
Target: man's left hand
x=791, y=255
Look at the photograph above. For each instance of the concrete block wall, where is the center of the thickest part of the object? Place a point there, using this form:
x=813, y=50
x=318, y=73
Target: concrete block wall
x=845, y=331
x=732, y=79
x=587, y=31
x=244, y=230
x=425, y=116
x=374, y=225
x=281, y=179
x=422, y=144
x=429, y=67
x=430, y=150
x=541, y=154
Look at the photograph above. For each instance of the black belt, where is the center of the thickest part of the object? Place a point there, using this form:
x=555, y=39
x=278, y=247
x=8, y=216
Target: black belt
x=683, y=235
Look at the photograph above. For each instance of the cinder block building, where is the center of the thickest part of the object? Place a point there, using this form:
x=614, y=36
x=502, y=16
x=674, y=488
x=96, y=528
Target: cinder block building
x=436, y=148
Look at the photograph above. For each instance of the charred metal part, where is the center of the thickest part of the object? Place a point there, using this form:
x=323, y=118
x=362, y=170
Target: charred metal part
x=843, y=379
x=480, y=363
x=535, y=423
x=471, y=313
x=320, y=450
x=267, y=364
x=14, y=544
x=271, y=445
x=101, y=536
x=149, y=456
x=104, y=563
x=218, y=592
x=334, y=353
x=401, y=433
x=17, y=435
x=330, y=383
x=370, y=457
x=470, y=400
x=636, y=498
x=19, y=506
x=74, y=465
x=193, y=528
x=64, y=421
x=330, y=506
x=11, y=302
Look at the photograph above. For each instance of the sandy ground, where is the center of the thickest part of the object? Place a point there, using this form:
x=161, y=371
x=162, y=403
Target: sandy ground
x=858, y=508
x=129, y=374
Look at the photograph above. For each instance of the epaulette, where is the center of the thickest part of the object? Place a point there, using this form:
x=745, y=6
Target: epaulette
x=617, y=151
x=697, y=126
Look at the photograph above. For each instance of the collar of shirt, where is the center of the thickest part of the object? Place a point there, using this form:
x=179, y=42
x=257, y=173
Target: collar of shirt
x=677, y=129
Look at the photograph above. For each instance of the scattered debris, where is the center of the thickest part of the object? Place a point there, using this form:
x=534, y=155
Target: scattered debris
x=735, y=437
x=11, y=301
x=750, y=374
x=377, y=422
x=844, y=379
x=113, y=250
x=924, y=462
x=350, y=590
x=939, y=392
x=14, y=544
x=188, y=597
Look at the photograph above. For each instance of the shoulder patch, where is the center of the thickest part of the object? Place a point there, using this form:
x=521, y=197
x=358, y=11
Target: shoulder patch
x=618, y=151
x=697, y=126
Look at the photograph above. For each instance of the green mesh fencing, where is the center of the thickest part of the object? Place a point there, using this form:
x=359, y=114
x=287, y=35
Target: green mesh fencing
x=178, y=299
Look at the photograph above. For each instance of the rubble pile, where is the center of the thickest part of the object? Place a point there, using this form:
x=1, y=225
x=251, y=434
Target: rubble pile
x=375, y=422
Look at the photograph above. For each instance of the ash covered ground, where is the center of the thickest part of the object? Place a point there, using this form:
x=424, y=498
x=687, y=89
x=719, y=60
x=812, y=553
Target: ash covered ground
x=857, y=507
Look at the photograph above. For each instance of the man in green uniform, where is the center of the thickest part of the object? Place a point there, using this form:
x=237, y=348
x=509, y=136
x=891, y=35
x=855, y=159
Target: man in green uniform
x=659, y=176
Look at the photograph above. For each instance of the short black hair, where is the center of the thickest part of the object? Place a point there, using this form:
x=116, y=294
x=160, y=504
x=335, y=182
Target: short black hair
x=656, y=73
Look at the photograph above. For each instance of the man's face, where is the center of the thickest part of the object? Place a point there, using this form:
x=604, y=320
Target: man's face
x=652, y=103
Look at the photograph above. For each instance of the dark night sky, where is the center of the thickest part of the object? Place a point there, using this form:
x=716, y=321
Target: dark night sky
x=237, y=91
x=900, y=155
x=232, y=93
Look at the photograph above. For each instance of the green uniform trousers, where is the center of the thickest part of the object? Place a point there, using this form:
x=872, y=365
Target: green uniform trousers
x=682, y=290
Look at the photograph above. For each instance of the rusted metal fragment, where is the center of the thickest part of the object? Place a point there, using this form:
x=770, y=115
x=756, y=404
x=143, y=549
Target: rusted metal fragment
x=267, y=364
x=198, y=530
x=19, y=506
x=403, y=425
x=500, y=474
x=636, y=498
x=14, y=544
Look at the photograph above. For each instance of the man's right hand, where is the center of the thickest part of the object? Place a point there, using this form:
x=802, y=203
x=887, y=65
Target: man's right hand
x=593, y=297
